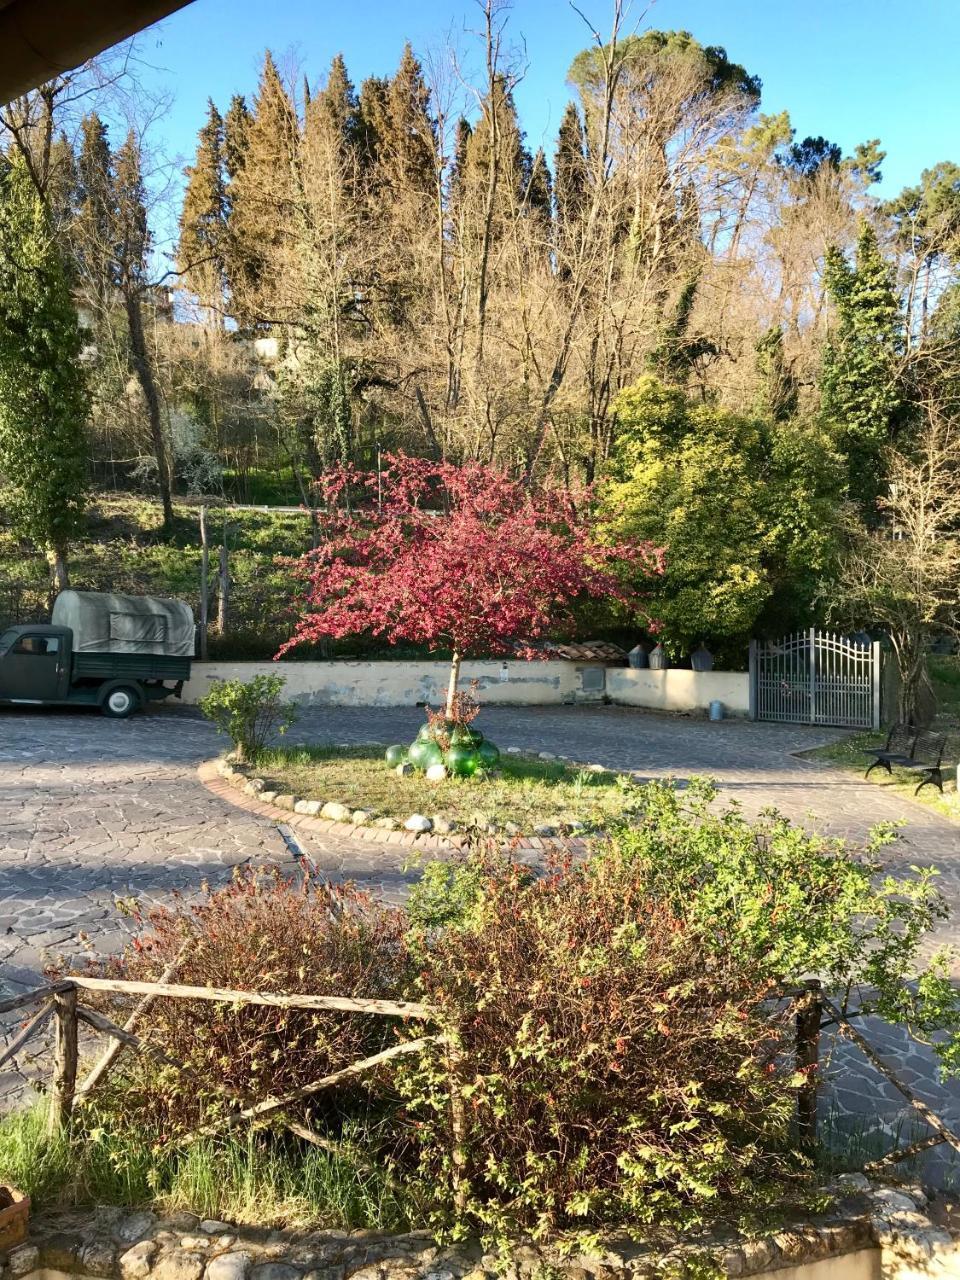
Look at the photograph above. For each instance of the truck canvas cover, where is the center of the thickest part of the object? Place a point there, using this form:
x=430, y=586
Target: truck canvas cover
x=102, y=622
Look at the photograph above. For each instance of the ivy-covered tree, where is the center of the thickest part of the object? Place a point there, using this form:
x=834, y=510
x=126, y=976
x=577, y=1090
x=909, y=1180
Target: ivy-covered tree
x=44, y=399
x=861, y=397
x=778, y=395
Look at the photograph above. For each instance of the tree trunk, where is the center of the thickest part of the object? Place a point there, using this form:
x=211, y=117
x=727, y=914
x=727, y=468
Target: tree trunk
x=148, y=385
x=57, y=560
x=204, y=583
x=454, y=679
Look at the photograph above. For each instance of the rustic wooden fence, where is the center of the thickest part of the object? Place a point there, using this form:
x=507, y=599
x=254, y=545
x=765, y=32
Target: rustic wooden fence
x=60, y=1001
x=812, y=1008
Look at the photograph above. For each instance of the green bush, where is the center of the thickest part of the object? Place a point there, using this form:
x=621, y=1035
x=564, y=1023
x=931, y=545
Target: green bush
x=613, y=1069
x=249, y=711
x=625, y=1054
x=619, y=1033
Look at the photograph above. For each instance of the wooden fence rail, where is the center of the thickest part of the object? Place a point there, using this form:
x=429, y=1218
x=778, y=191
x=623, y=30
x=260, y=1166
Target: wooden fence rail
x=60, y=1000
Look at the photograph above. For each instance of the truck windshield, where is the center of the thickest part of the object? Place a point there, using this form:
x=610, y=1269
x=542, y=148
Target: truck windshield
x=6, y=640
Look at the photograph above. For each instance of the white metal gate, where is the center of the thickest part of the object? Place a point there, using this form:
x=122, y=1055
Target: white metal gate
x=815, y=677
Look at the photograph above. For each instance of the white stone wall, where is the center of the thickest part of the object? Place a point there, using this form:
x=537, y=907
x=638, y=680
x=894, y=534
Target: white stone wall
x=512, y=682
x=402, y=684
x=678, y=690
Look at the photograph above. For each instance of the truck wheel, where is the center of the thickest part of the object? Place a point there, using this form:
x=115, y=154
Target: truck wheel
x=120, y=703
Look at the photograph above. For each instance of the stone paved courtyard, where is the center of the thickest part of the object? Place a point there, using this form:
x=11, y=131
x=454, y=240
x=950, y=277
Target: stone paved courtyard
x=95, y=810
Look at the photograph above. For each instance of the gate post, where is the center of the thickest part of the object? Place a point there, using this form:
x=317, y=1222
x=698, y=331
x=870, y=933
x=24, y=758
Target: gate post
x=875, y=672
x=812, y=666
x=752, y=668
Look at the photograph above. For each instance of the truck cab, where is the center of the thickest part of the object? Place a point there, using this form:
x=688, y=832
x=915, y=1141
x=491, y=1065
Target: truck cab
x=35, y=664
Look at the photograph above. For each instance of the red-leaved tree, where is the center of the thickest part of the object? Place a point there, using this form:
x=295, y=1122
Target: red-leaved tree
x=456, y=557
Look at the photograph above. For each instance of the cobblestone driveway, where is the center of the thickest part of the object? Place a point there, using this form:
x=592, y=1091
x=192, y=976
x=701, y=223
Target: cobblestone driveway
x=94, y=810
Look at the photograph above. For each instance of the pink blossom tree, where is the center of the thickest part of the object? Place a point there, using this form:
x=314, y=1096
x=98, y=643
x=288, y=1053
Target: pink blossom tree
x=456, y=557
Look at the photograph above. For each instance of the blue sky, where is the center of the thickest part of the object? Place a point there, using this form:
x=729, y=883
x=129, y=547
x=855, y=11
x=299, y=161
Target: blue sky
x=848, y=69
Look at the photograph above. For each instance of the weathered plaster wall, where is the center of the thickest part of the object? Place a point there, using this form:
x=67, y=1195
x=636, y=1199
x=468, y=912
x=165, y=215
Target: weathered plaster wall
x=677, y=690
x=401, y=684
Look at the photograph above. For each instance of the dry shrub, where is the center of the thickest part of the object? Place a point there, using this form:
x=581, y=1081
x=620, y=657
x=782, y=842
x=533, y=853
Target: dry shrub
x=263, y=932
x=613, y=1069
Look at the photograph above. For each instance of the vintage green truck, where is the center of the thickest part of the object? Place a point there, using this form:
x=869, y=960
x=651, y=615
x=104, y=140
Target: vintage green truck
x=115, y=652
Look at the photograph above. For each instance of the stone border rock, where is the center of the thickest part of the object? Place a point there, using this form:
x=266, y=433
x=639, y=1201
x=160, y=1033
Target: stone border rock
x=242, y=788
x=120, y=1244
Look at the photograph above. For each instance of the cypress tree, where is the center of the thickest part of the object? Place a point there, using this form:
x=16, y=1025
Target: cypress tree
x=236, y=137
x=92, y=228
x=539, y=192
x=410, y=144
x=260, y=156
x=861, y=400
x=461, y=148
x=336, y=107
x=374, y=119
x=44, y=398
x=132, y=238
x=570, y=168
x=515, y=162
x=204, y=215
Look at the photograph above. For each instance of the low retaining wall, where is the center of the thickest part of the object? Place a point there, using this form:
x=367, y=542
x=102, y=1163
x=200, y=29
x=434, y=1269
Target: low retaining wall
x=404, y=684
x=866, y=1235
x=680, y=690
x=510, y=683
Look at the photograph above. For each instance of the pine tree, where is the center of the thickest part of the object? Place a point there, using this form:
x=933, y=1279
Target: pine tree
x=200, y=252
x=861, y=398
x=44, y=399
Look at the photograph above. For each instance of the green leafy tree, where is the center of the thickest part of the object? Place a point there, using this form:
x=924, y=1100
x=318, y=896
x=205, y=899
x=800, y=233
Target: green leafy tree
x=745, y=509
x=861, y=395
x=44, y=398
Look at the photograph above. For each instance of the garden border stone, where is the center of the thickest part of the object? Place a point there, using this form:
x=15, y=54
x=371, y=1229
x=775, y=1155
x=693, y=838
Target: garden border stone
x=111, y=1243
x=234, y=785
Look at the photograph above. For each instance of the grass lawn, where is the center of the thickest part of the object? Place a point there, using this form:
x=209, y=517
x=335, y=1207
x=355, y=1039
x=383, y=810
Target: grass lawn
x=527, y=793
x=847, y=754
x=257, y=1178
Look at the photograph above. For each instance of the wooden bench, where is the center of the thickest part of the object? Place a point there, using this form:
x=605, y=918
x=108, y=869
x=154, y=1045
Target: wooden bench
x=916, y=750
